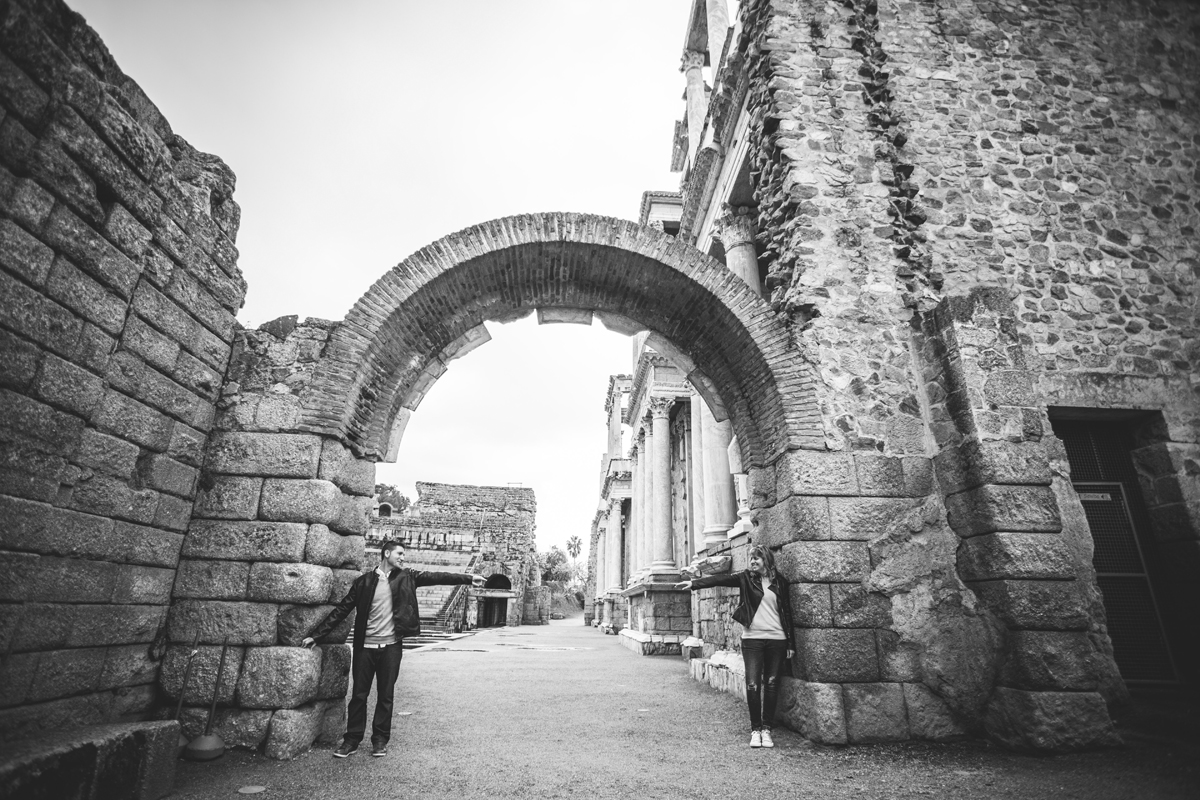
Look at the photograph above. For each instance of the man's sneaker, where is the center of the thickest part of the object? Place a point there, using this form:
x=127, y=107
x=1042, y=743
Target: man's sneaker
x=345, y=749
x=767, y=741
x=756, y=738
x=379, y=750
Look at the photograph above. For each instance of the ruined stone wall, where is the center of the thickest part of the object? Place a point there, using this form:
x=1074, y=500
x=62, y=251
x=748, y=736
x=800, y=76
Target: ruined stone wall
x=120, y=283
x=497, y=522
x=970, y=212
x=276, y=537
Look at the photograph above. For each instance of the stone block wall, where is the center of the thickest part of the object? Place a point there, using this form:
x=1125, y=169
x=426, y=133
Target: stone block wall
x=276, y=537
x=120, y=282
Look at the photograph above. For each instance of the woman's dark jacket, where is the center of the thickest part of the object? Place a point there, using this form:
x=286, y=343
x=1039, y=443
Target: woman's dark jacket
x=750, y=585
x=405, y=615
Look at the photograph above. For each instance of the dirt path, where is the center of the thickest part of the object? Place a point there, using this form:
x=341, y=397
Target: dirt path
x=563, y=711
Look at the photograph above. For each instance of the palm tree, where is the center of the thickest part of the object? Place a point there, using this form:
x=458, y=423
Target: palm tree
x=574, y=547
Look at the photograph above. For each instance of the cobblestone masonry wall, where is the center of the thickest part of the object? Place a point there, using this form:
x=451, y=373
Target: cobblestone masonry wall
x=120, y=283
x=970, y=211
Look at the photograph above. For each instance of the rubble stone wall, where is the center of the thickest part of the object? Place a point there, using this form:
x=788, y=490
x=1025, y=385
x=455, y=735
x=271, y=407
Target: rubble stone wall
x=120, y=283
x=970, y=212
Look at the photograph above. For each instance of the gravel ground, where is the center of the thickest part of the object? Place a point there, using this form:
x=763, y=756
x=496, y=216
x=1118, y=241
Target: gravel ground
x=564, y=711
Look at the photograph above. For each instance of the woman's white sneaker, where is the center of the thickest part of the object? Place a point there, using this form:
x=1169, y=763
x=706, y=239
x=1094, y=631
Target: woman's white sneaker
x=755, y=738
x=767, y=741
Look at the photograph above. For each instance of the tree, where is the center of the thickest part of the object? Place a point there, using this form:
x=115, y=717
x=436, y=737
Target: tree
x=553, y=564
x=391, y=495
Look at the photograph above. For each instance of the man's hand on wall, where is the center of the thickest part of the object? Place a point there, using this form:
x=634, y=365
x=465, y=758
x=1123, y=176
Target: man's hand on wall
x=308, y=641
x=477, y=581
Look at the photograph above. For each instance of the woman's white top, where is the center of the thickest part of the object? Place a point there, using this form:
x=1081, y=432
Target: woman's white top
x=766, y=624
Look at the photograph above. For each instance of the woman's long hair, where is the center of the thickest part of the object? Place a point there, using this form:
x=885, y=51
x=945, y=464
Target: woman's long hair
x=767, y=556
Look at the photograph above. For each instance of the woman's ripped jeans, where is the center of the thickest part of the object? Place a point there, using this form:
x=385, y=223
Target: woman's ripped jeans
x=764, y=664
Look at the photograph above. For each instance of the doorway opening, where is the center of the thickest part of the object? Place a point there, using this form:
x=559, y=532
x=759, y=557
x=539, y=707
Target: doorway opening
x=1126, y=557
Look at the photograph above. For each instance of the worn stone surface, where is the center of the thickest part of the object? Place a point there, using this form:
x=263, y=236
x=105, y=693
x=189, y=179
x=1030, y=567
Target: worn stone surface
x=815, y=710
x=285, y=455
x=289, y=583
x=335, y=672
x=228, y=497
x=243, y=623
x=217, y=580
x=278, y=677
x=1049, y=721
x=293, y=730
x=928, y=715
x=824, y=562
x=330, y=549
x=238, y=727
x=203, y=676
x=830, y=655
x=300, y=501
x=875, y=712
x=246, y=541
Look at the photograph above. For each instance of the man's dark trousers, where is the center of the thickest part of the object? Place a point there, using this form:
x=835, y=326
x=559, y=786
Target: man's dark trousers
x=381, y=665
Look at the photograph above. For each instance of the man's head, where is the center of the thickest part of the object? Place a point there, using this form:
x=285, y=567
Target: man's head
x=391, y=555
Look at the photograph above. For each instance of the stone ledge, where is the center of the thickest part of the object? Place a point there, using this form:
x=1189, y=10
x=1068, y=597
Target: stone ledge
x=651, y=644
x=105, y=762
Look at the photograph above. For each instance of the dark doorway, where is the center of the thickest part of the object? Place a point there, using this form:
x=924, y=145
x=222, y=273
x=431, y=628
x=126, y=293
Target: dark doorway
x=1124, y=556
x=493, y=611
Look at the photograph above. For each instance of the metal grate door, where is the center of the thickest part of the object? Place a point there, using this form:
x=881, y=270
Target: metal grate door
x=1139, y=642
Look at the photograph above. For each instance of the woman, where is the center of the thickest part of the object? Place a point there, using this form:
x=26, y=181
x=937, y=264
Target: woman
x=767, y=640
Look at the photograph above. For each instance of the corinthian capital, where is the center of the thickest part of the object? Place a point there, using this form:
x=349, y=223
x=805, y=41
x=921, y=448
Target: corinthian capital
x=736, y=226
x=660, y=407
x=692, y=59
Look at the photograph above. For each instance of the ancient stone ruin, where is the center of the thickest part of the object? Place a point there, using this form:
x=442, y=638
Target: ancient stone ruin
x=932, y=274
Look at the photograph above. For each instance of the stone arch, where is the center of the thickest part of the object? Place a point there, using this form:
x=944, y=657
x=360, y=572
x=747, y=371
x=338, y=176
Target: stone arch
x=430, y=309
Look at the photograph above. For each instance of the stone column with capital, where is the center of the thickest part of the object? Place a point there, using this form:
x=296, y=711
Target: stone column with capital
x=697, y=97
x=719, y=505
x=646, y=536
x=717, y=13
x=697, y=476
x=613, y=546
x=736, y=229
x=663, y=551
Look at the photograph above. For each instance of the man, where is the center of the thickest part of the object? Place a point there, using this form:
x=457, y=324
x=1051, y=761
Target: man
x=385, y=604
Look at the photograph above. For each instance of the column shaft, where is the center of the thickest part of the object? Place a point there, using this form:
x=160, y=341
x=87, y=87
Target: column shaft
x=613, y=546
x=697, y=98
x=637, y=507
x=719, y=504
x=601, y=566
x=663, y=551
x=697, y=476
x=718, y=29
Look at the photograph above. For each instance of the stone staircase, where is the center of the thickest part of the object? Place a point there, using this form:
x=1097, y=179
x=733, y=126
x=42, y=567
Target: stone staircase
x=432, y=600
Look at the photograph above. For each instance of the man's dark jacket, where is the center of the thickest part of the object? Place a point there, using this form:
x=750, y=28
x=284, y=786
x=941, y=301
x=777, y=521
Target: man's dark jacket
x=749, y=584
x=405, y=615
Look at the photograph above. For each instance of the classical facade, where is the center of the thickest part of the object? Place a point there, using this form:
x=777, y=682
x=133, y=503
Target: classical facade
x=933, y=279
x=484, y=530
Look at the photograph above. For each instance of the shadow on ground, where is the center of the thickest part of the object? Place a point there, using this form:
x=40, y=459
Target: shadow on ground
x=564, y=711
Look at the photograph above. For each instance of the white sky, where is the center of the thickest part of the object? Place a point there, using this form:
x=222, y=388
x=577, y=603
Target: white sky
x=362, y=131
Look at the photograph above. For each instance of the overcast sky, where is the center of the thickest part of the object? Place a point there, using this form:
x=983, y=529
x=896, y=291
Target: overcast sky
x=362, y=131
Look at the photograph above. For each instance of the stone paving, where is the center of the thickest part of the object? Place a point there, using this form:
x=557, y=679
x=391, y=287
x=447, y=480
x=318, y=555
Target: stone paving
x=561, y=710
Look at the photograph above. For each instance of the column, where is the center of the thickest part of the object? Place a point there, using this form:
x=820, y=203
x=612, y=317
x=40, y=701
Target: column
x=662, y=550
x=636, y=507
x=614, y=425
x=718, y=29
x=719, y=513
x=613, y=546
x=741, y=488
x=601, y=566
x=697, y=476
x=736, y=229
x=648, y=493
x=697, y=98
